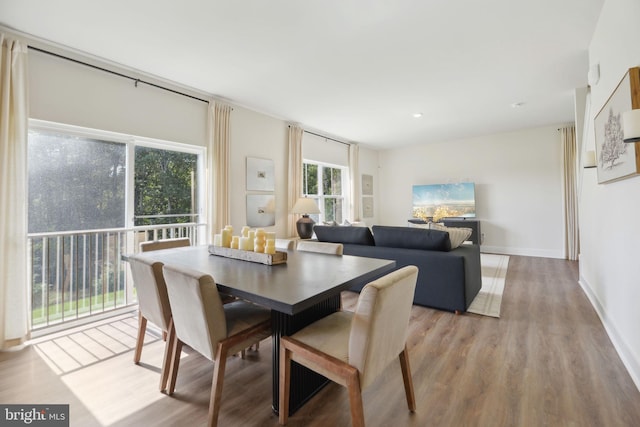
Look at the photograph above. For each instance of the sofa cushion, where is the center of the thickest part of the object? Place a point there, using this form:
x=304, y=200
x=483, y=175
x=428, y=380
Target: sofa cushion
x=457, y=235
x=353, y=235
x=411, y=238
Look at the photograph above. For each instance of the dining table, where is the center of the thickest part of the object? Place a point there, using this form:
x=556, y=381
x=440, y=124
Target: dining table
x=299, y=291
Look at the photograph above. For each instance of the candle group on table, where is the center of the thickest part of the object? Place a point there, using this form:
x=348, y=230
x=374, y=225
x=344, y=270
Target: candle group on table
x=256, y=240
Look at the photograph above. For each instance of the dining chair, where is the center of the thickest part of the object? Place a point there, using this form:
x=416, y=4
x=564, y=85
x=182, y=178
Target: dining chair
x=147, y=246
x=153, y=306
x=154, y=245
x=353, y=348
x=285, y=244
x=212, y=329
x=320, y=247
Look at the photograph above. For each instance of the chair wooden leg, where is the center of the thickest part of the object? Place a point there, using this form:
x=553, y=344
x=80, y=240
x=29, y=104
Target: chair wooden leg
x=168, y=354
x=142, y=329
x=355, y=400
x=285, y=385
x=175, y=362
x=216, y=384
x=408, y=382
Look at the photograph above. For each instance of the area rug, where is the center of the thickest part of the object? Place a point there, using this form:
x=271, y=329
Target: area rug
x=494, y=272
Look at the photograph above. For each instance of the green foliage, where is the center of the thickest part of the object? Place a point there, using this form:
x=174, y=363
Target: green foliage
x=75, y=183
x=165, y=184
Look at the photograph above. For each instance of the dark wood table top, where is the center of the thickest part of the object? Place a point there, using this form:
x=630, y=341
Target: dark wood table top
x=304, y=280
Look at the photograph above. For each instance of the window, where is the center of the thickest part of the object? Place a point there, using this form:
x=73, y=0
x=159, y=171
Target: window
x=93, y=196
x=325, y=184
x=165, y=186
x=75, y=183
x=78, y=180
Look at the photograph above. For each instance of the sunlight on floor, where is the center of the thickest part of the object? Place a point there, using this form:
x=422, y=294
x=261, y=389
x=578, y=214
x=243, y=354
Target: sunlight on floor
x=83, y=355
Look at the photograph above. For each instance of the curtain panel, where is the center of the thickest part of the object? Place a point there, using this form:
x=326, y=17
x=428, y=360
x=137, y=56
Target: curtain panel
x=14, y=124
x=354, y=172
x=572, y=243
x=295, y=176
x=218, y=167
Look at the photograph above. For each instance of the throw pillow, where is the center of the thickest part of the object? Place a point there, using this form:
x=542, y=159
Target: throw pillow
x=411, y=238
x=457, y=235
x=353, y=235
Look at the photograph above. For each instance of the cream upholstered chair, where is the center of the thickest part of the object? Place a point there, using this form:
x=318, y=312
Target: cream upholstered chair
x=285, y=244
x=320, y=247
x=206, y=325
x=153, y=305
x=352, y=349
x=154, y=245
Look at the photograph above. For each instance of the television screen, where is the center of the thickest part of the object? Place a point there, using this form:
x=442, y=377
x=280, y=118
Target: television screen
x=437, y=201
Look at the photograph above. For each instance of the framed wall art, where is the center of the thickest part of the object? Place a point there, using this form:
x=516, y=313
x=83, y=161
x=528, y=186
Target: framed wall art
x=261, y=210
x=615, y=158
x=367, y=185
x=260, y=175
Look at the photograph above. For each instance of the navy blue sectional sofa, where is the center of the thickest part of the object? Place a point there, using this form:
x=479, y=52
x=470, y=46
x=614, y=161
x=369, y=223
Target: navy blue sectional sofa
x=448, y=279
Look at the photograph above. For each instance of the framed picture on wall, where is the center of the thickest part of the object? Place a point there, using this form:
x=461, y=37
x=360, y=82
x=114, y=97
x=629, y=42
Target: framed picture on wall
x=615, y=158
x=260, y=175
x=367, y=185
x=261, y=210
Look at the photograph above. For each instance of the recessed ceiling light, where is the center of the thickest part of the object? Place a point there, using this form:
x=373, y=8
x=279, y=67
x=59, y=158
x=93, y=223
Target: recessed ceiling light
x=417, y=115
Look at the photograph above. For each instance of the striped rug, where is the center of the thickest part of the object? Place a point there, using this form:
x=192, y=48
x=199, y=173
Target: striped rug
x=489, y=299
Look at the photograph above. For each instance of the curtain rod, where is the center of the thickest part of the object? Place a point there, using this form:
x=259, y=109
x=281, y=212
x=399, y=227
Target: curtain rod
x=136, y=80
x=325, y=137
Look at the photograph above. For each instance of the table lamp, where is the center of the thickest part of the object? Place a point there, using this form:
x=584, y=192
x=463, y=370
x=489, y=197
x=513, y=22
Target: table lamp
x=305, y=206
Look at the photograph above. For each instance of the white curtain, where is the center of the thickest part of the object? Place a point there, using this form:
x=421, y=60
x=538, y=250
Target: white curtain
x=568, y=135
x=218, y=165
x=295, y=176
x=354, y=171
x=14, y=114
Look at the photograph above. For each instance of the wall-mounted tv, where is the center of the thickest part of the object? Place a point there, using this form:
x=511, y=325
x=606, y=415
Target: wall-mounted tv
x=437, y=201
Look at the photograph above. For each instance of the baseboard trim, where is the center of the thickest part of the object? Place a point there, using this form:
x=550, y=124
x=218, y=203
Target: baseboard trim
x=540, y=253
x=626, y=355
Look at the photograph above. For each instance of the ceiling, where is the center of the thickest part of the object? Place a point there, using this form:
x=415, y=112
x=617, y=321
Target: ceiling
x=355, y=70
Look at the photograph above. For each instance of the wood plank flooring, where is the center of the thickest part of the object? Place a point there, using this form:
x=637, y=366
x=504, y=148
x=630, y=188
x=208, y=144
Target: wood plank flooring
x=546, y=362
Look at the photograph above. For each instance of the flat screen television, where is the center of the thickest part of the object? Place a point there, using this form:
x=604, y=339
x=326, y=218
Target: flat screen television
x=437, y=201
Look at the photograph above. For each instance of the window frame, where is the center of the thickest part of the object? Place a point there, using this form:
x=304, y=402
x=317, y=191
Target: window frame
x=320, y=197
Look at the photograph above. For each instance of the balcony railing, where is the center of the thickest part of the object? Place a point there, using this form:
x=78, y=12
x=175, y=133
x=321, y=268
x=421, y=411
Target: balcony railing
x=77, y=274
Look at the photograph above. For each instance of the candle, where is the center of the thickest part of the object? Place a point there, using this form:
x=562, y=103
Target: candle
x=245, y=244
x=226, y=237
x=235, y=242
x=217, y=240
x=271, y=247
x=252, y=236
x=245, y=231
x=270, y=235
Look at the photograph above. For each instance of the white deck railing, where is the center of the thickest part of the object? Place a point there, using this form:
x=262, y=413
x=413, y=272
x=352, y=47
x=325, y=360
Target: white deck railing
x=77, y=274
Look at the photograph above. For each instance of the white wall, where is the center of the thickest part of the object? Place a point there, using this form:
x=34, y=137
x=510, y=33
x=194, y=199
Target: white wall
x=256, y=135
x=518, y=178
x=609, y=259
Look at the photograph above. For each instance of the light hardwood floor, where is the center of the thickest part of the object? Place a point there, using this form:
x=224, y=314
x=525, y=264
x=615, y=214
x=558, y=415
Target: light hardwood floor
x=546, y=362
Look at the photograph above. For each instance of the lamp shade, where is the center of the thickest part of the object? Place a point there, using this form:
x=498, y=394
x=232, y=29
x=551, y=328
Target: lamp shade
x=631, y=125
x=305, y=206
